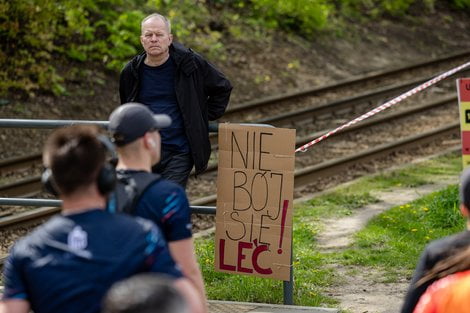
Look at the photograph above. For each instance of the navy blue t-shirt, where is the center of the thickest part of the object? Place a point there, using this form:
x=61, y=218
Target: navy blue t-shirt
x=157, y=91
x=165, y=203
x=69, y=263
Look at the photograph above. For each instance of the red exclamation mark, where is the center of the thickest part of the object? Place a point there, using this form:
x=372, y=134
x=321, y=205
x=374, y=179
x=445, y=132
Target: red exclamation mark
x=283, y=222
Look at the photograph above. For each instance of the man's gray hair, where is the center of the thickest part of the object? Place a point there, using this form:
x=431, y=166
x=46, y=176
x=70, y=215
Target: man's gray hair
x=156, y=15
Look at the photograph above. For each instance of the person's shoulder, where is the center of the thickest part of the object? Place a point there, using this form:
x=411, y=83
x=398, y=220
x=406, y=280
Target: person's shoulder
x=147, y=225
x=163, y=188
x=134, y=63
x=27, y=245
x=55, y=226
x=122, y=219
x=22, y=247
x=179, y=48
x=447, y=244
x=132, y=225
x=168, y=185
x=181, y=52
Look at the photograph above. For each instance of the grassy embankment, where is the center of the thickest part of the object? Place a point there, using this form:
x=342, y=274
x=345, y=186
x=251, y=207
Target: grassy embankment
x=391, y=242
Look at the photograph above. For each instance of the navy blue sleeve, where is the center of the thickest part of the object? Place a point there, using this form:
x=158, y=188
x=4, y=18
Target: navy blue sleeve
x=158, y=258
x=13, y=280
x=169, y=209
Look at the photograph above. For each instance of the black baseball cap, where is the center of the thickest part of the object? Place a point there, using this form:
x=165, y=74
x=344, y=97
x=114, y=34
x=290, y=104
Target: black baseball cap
x=132, y=120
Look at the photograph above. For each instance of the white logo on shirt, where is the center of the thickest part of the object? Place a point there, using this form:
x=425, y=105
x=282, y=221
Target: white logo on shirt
x=77, y=239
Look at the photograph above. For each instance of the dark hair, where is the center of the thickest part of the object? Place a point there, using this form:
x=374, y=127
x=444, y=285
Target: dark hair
x=144, y=293
x=75, y=156
x=458, y=260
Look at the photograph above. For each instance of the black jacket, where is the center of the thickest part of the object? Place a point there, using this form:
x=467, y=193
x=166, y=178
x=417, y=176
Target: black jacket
x=202, y=93
x=434, y=252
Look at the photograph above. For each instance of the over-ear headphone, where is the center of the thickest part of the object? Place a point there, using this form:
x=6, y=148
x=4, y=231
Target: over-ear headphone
x=106, y=180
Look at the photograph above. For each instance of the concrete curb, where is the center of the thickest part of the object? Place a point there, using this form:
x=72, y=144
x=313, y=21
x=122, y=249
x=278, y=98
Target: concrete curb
x=217, y=306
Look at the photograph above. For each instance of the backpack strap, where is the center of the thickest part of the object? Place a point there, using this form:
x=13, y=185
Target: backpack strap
x=130, y=188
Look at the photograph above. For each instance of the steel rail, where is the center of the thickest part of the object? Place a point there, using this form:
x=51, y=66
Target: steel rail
x=31, y=185
x=278, y=120
x=304, y=114
x=368, y=123
x=22, y=162
x=382, y=119
x=53, y=207
x=303, y=176
x=338, y=85
x=338, y=105
x=22, y=188
x=27, y=218
x=328, y=168
x=16, y=163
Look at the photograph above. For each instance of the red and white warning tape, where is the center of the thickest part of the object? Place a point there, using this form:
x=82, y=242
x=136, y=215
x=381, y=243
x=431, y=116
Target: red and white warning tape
x=384, y=106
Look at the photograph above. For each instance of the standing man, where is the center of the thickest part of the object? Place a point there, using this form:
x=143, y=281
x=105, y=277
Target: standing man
x=174, y=80
x=135, y=131
x=69, y=263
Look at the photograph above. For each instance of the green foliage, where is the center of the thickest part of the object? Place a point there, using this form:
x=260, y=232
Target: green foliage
x=461, y=4
x=26, y=33
x=379, y=8
x=301, y=16
x=39, y=37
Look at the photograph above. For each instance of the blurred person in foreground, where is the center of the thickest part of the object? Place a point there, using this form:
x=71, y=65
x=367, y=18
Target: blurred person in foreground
x=174, y=80
x=68, y=263
x=440, y=250
x=136, y=133
x=144, y=293
x=449, y=293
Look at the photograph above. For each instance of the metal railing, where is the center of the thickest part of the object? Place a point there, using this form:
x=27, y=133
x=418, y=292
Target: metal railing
x=57, y=203
x=288, y=286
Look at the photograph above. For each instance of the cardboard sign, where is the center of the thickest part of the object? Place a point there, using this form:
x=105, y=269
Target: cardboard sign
x=463, y=87
x=255, y=191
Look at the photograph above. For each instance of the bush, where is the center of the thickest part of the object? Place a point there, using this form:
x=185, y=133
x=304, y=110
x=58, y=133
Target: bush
x=37, y=36
x=300, y=16
x=461, y=4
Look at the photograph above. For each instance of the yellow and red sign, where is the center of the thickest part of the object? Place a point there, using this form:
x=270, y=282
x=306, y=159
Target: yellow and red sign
x=463, y=87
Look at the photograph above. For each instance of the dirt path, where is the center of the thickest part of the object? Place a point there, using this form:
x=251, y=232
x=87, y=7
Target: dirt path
x=362, y=290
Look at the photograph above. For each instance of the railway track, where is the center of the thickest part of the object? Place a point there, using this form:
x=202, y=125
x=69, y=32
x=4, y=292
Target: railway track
x=365, y=89
x=32, y=185
x=307, y=173
x=356, y=85
x=303, y=176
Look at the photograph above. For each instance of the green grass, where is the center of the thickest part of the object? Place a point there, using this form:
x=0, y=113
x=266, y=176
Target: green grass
x=310, y=277
x=392, y=241
x=335, y=204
